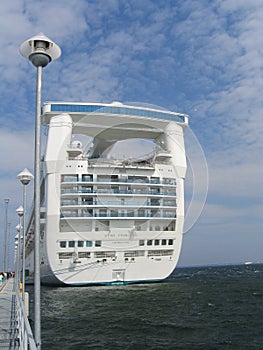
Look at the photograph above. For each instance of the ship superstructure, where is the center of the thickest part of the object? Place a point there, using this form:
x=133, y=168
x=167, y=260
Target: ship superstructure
x=107, y=219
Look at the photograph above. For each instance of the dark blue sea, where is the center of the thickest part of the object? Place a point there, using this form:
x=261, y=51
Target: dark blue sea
x=196, y=308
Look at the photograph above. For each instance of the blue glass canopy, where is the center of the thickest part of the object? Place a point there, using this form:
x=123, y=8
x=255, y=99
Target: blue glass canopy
x=85, y=108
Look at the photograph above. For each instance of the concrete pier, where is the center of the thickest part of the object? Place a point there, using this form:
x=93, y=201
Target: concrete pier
x=8, y=324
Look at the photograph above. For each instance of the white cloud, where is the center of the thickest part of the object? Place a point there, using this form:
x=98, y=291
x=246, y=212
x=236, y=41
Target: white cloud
x=237, y=180
x=16, y=150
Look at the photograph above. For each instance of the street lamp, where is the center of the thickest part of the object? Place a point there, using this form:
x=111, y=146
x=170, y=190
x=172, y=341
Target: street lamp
x=40, y=50
x=20, y=213
x=18, y=242
x=25, y=177
x=16, y=253
x=5, y=255
x=8, y=246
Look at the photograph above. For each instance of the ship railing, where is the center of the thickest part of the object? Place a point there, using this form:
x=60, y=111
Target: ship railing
x=122, y=204
x=137, y=181
x=119, y=181
x=113, y=191
x=24, y=337
x=127, y=162
x=118, y=215
x=97, y=161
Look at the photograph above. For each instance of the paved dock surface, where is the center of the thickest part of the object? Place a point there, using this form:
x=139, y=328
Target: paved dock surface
x=8, y=327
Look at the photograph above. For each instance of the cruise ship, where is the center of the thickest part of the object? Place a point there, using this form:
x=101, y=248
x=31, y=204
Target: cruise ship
x=107, y=218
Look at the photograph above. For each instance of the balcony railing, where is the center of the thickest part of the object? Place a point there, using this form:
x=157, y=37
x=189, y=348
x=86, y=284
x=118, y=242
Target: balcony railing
x=118, y=215
x=114, y=191
x=119, y=181
x=115, y=203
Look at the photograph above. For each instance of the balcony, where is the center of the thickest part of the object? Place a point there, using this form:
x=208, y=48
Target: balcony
x=158, y=215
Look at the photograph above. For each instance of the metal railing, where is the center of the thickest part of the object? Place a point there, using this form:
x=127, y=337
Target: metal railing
x=75, y=214
x=117, y=204
x=109, y=180
x=24, y=338
x=114, y=191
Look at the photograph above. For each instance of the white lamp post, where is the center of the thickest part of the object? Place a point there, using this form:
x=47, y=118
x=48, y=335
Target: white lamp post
x=16, y=256
x=5, y=255
x=16, y=252
x=25, y=177
x=20, y=213
x=40, y=50
x=8, y=246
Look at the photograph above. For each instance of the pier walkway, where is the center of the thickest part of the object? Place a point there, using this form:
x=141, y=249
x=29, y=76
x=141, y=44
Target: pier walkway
x=7, y=322
x=15, y=331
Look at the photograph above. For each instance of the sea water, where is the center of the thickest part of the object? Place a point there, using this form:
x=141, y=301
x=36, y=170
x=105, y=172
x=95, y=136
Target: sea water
x=196, y=308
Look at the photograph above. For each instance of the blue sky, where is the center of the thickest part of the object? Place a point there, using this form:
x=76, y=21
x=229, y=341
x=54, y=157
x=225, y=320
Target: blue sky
x=203, y=58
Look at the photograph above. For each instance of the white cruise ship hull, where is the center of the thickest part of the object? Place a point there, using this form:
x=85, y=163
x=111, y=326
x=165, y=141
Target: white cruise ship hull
x=106, y=220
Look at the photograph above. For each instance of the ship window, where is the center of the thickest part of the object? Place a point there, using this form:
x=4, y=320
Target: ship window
x=103, y=178
x=141, y=242
x=87, y=201
x=103, y=212
x=85, y=189
x=160, y=252
x=154, y=180
x=112, y=213
x=149, y=242
x=134, y=253
x=97, y=243
x=156, y=242
x=88, y=243
x=154, y=201
x=71, y=244
x=170, y=241
x=69, y=178
x=80, y=243
x=66, y=255
x=86, y=177
x=163, y=241
x=63, y=244
x=103, y=255
x=83, y=255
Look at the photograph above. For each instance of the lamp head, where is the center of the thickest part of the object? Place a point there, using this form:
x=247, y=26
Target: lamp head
x=18, y=228
x=20, y=211
x=25, y=176
x=40, y=50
